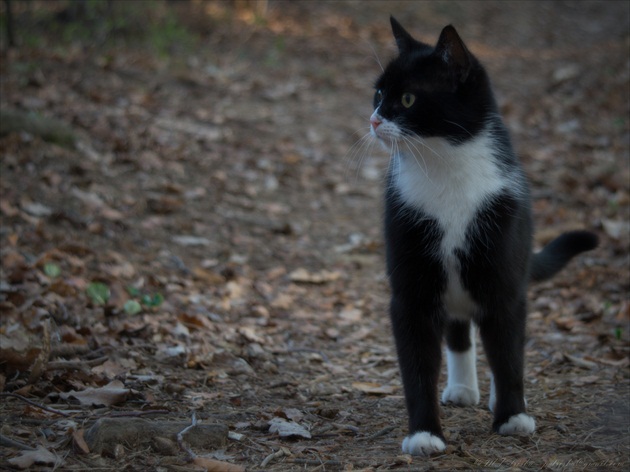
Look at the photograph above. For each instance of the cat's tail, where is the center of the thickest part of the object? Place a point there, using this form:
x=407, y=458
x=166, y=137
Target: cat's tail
x=555, y=255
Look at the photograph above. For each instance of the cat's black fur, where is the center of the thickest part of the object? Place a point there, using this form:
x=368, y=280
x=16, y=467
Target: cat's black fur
x=494, y=262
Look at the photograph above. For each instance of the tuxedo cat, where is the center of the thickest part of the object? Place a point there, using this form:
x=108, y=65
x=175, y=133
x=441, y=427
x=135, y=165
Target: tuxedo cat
x=458, y=231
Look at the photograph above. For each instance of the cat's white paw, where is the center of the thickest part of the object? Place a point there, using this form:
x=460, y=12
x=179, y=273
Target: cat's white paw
x=422, y=444
x=518, y=424
x=461, y=395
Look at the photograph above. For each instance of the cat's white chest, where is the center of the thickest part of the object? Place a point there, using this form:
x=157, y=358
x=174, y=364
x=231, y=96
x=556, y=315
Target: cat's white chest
x=450, y=184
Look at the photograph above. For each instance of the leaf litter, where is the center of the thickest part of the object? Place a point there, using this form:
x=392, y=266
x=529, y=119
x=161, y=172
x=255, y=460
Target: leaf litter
x=201, y=249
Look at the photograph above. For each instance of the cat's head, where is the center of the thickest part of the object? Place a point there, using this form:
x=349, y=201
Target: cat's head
x=427, y=91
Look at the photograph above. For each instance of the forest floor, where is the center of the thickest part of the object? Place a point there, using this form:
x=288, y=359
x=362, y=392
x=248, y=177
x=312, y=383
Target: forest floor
x=199, y=236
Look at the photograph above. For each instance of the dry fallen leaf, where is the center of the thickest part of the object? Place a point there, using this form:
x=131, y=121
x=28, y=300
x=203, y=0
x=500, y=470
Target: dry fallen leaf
x=111, y=394
x=585, y=364
x=249, y=333
x=287, y=429
x=212, y=465
x=302, y=275
x=374, y=388
x=292, y=414
x=19, y=350
x=79, y=442
x=39, y=456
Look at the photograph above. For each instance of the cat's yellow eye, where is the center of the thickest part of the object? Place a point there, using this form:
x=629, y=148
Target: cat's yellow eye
x=378, y=96
x=408, y=99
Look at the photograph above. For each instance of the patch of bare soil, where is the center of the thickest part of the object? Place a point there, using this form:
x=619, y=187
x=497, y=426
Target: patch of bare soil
x=202, y=247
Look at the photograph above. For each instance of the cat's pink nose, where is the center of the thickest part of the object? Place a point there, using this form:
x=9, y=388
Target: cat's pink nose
x=375, y=122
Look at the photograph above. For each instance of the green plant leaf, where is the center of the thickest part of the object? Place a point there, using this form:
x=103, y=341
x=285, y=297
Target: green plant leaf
x=98, y=292
x=52, y=270
x=157, y=299
x=132, y=307
x=152, y=300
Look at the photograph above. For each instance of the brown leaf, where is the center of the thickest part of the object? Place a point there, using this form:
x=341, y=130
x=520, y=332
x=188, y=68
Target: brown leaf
x=7, y=208
x=212, y=465
x=111, y=394
x=42, y=358
x=302, y=275
x=195, y=320
x=208, y=276
x=374, y=388
x=20, y=349
x=79, y=442
x=250, y=334
x=164, y=204
x=110, y=369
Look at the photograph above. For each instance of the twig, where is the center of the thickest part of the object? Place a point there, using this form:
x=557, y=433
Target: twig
x=378, y=434
x=67, y=350
x=132, y=414
x=348, y=427
x=32, y=403
x=274, y=455
x=316, y=463
x=588, y=436
x=180, y=438
x=8, y=442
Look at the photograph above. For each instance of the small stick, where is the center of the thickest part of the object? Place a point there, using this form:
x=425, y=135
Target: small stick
x=316, y=463
x=117, y=414
x=8, y=442
x=67, y=350
x=274, y=455
x=348, y=427
x=32, y=403
x=180, y=438
x=378, y=434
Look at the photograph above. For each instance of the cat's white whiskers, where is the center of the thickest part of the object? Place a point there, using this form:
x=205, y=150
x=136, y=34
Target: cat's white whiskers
x=393, y=181
x=423, y=142
x=358, y=152
x=376, y=58
x=460, y=126
x=423, y=166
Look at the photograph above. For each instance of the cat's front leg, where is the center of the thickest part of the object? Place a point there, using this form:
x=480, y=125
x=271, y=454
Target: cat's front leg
x=418, y=334
x=504, y=340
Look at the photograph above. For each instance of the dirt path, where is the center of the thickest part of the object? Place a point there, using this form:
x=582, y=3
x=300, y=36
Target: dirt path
x=212, y=242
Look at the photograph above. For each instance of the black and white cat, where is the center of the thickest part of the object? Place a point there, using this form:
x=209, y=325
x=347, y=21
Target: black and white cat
x=458, y=230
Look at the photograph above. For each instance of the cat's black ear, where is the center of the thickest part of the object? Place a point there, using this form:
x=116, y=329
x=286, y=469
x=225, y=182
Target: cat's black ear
x=404, y=41
x=452, y=50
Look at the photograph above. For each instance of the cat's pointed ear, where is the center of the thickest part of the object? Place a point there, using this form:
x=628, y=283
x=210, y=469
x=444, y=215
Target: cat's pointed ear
x=404, y=41
x=452, y=50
